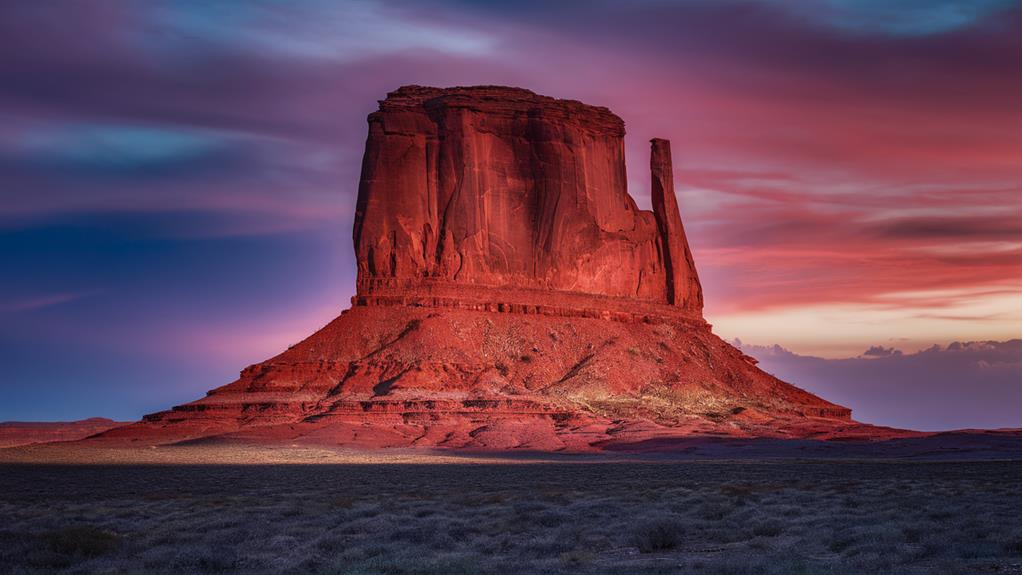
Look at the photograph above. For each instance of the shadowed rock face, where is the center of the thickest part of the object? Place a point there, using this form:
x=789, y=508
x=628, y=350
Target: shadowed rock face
x=489, y=187
x=510, y=295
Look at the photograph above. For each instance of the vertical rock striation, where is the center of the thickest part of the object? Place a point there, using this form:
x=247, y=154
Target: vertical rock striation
x=490, y=193
x=683, y=288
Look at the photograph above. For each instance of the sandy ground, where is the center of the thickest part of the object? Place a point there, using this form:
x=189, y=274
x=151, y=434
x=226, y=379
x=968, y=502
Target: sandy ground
x=75, y=454
x=974, y=445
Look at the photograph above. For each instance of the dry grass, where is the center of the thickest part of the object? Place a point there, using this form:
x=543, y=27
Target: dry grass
x=663, y=404
x=727, y=518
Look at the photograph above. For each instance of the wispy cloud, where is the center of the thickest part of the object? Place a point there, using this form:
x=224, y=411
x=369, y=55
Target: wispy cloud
x=904, y=18
x=112, y=152
x=35, y=303
x=339, y=31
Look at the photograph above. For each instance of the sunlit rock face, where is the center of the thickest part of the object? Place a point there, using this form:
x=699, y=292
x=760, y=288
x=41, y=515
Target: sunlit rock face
x=510, y=295
x=500, y=188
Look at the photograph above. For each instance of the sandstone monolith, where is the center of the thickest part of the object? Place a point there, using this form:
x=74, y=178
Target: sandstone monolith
x=509, y=294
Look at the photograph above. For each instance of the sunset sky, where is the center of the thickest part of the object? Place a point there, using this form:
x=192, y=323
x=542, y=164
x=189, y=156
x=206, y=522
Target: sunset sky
x=178, y=178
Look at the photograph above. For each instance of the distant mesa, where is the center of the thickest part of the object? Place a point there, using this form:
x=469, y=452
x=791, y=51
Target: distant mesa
x=510, y=294
x=15, y=433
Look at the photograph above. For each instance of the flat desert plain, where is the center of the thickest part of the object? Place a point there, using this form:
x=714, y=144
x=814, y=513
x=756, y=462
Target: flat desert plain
x=397, y=513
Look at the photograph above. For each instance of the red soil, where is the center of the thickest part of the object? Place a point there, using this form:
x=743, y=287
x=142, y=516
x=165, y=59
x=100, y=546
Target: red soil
x=13, y=433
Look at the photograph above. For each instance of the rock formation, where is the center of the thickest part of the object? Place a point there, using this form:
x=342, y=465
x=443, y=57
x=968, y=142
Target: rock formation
x=14, y=433
x=510, y=294
x=683, y=287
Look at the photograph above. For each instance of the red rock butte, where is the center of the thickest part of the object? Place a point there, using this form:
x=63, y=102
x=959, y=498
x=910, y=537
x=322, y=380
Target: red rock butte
x=487, y=196
x=510, y=294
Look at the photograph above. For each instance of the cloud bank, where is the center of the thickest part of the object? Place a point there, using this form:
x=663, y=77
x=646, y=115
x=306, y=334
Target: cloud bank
x=962, y=385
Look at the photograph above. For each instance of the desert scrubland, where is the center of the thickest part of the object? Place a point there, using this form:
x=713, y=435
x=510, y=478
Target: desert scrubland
x=532, y=517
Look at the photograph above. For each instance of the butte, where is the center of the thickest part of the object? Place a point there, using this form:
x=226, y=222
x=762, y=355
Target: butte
x=510, y=294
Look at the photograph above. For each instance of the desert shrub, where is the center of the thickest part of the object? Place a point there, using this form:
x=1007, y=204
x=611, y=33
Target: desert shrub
x=62, y=548
x=529, y=506
x=724, y=533
x=209, y=558
x=343, y=501
x=841, y=542
x=712, y=511
x=525, y=358
x=577, y=557
x=502, y=368
x=82, y=541
x=1013, y=546
x=744, y=490
x=941, y=515
x=331, y=543
x=551, y=518
x=768, y=529
x=12, y=545
x=657, y=535
x=790, y=510
x=976, y=549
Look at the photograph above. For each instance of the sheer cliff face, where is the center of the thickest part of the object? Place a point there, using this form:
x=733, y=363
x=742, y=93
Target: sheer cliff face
x=502, y=189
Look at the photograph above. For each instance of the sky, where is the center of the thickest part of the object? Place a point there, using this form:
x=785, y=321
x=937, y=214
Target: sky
x=177, y=179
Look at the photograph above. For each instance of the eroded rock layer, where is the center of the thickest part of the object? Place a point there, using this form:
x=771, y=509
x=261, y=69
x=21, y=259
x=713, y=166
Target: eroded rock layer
x=510, y=295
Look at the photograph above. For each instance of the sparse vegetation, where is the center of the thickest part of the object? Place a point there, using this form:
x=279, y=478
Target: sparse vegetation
x=55, y=549
x=660, y=534
x=768, y=518
x=1013, y=545
x=661, y=402
x=84, y=541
